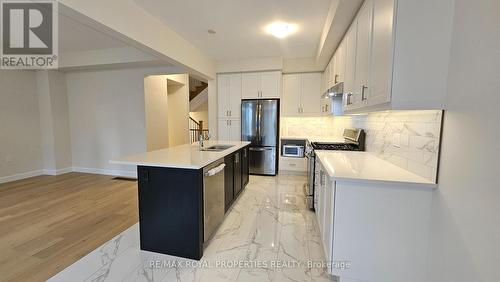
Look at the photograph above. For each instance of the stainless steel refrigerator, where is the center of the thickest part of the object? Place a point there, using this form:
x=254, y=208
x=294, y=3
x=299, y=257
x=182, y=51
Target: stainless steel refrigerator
x=259, y=125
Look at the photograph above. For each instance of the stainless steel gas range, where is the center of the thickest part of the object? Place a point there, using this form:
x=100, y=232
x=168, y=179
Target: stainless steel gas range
x=354, y=140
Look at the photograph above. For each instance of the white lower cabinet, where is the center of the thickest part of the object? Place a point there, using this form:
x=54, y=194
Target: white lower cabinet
x=373, y=231
x=293, y=164
x=325, y=209
x=229, y=129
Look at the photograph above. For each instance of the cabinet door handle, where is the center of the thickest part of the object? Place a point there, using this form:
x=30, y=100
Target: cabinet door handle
x=349, y=96
x=363, y=98
x=230, y=113
x=326, y=108
x=336, y=76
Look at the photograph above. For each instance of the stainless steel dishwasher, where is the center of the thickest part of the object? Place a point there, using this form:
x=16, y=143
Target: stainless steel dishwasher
x=213, y=197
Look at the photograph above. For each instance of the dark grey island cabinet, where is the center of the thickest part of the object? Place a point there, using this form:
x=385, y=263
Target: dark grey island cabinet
x=236, y=176
x=173, y=203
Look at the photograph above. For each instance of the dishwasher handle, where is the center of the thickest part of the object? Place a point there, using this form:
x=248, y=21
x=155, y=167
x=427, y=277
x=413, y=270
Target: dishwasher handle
x=215, y=170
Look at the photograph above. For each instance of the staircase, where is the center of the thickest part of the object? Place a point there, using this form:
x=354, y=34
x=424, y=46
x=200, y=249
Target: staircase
x=196, y=87
x=196, y=129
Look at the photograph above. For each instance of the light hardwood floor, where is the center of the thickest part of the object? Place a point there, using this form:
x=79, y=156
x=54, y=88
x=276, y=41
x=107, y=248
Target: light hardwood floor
x=49, y=222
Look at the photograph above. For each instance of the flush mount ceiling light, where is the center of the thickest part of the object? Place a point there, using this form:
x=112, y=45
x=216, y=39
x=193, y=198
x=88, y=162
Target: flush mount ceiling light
x=281, y=29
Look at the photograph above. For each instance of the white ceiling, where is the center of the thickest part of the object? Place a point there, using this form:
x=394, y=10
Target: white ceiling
x=77, y=37
x=240, y=25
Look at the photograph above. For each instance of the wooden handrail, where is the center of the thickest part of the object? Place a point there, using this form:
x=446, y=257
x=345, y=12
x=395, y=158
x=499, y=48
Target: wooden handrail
x=193, y=120
x=197, y=130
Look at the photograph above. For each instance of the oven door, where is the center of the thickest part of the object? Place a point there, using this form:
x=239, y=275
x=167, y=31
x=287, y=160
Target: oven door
x=309, y=189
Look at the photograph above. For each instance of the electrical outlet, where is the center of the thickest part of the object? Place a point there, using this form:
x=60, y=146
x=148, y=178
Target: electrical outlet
x=396, y=140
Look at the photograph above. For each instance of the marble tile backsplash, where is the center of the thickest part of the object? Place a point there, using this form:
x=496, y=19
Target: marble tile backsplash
x=408, y=139
x=308, y=127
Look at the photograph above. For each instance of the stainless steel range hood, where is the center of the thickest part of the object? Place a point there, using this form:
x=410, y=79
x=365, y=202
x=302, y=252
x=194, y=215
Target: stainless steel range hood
x=335, y=91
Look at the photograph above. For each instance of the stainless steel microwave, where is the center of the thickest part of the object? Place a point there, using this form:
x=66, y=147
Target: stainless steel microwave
x=295, y=151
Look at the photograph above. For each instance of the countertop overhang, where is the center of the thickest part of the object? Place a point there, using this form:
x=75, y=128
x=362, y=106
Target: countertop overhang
x=363, y=166
x=186, y=156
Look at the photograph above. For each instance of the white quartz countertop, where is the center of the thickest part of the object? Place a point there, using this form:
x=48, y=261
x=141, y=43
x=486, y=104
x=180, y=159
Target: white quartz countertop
x=184, y=156
x=342, y=165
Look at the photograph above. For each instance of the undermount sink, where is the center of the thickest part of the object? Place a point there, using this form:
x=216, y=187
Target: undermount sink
x=217, y=148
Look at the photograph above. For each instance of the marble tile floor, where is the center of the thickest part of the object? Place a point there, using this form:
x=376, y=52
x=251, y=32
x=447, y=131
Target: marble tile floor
x=268, y=235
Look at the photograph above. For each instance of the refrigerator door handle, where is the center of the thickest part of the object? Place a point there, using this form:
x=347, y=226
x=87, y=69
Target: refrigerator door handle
x=260, y=149
x=259, y=122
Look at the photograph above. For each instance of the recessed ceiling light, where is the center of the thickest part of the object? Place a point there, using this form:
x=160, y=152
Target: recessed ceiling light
x=281, y=29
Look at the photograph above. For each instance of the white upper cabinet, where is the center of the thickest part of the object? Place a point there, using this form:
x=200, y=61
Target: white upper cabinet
x=250, y=85
x=301, y=94
x=363, y=52
x=290, y=104
x=223, y=95
x=394, y=58
x=310, y=93
x=261, y=85
x=270, y=84
x=229, y=95
x=350, y=67
x=328, y=76
x=339, y=63
x=235, y=96
x=381, y=57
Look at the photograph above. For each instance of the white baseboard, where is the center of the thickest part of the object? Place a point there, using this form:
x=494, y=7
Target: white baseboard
x=112, y=172
x=20, y=176
x=24, y=175
x=57, y=171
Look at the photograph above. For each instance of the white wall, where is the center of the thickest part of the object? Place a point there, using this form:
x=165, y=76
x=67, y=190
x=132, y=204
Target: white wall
x=107, y=118
x=20, y=153
x=178, y=109
x=465, y=232
x=201, y=114
x=54, y=122
x=156, y=105
x=212, y=106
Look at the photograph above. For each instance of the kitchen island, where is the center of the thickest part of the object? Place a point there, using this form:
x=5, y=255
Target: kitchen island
x=184, y=192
